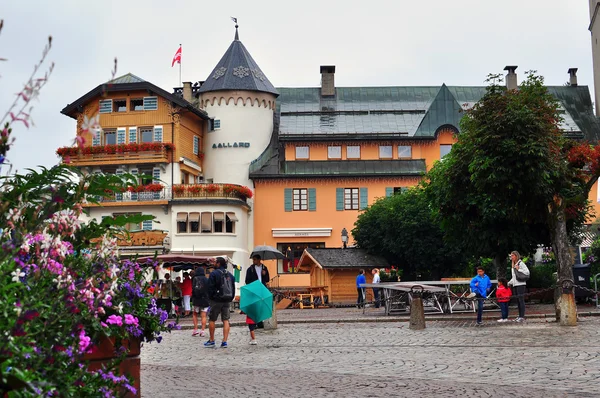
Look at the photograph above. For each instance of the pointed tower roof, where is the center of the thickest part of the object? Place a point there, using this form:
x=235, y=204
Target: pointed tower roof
x=443, y=111
x=237, y=70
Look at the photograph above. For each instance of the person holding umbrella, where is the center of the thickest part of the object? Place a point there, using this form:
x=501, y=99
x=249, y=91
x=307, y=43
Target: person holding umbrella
x=257, y=271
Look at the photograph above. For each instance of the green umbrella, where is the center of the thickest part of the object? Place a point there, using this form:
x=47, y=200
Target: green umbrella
x=256, y=301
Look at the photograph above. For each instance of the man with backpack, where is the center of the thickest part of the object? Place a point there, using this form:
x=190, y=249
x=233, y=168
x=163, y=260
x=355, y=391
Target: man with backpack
x=221, y=290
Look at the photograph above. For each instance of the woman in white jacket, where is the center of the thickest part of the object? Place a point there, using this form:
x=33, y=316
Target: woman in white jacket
x=518, y=286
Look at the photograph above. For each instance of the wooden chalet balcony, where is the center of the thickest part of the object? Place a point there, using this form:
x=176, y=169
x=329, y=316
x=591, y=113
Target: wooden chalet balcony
x=153, y=194
x=117, y=154
x=210, y=191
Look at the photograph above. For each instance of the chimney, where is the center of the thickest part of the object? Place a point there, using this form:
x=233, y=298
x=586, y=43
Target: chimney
x=573, y=77
x=511, y=78
x=327, y=81
x=187, y=91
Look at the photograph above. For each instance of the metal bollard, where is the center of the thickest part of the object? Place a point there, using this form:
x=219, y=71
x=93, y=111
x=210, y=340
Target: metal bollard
x=417, y=313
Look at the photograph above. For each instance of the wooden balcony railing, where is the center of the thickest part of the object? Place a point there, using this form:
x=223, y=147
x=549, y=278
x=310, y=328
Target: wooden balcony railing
x=117, y=154
x=192, y=191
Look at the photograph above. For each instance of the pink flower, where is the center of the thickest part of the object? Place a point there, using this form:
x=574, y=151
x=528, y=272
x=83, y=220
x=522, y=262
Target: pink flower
x=84, y=341
x=131, y=320
x=115, y=320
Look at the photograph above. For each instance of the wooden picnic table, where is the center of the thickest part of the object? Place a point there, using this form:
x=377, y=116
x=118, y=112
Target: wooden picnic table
x=399, y=295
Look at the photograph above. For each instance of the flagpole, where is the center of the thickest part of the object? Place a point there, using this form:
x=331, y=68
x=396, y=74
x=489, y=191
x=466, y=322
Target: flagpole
x=180, y=65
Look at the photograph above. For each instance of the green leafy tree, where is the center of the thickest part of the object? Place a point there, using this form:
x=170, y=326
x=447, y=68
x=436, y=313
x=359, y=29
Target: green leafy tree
x=403, y=229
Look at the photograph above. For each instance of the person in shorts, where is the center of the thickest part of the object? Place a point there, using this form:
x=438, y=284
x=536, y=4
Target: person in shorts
x=200, y=300
x=218, y=306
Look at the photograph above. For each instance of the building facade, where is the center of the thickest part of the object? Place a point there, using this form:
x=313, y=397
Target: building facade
x=240, y=163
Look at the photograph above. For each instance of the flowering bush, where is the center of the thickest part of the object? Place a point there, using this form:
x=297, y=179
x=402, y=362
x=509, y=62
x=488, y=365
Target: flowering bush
x=60, y=294
x=146, y=188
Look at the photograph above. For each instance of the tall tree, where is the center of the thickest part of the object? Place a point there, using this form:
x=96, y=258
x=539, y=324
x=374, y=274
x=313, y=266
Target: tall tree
x=403, y=229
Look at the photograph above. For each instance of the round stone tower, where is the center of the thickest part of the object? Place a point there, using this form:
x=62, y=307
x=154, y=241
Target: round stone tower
x=241, y=101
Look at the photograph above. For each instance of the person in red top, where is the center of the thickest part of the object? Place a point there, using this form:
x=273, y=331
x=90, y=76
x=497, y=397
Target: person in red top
x=503, y=294
x=186, y=292
x=252, y=327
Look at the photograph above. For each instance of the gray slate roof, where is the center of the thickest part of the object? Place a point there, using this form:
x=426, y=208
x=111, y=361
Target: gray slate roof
x=237, y=70
x=346, y=258
x=405, y=112
x=128, y=78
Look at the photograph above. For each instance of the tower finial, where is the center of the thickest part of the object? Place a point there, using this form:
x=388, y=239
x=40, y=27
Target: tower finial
x=237, y=38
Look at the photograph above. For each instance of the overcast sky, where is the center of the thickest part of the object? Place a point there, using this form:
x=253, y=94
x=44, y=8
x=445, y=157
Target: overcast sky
x=372, y=43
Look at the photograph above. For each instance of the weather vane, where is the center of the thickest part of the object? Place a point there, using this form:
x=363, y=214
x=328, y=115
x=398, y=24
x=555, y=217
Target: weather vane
x=234, y=19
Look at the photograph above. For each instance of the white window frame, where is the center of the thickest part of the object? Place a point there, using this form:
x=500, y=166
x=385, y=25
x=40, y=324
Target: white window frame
x=300, y=199
x=442, y=154
x=300, y=152
x=350, y=149
x=404, y=152
x=351, y=198
x=334, y=152
x=384, y=150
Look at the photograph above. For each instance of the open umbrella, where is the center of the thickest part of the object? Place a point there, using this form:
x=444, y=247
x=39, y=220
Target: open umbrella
x=256, y=301
x=268, y=253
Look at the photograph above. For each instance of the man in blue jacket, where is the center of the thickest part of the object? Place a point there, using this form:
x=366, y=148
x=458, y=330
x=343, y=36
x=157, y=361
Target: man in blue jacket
x=360, y=280
x=480, y=287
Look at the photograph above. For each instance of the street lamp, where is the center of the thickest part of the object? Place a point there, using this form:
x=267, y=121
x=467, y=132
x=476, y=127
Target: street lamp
x=344, y=238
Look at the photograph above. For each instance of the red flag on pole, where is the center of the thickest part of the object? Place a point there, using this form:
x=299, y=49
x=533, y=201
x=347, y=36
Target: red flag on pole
x=177, y=57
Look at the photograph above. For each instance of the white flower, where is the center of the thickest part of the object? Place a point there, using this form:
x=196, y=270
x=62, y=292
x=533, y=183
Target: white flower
x=17, y=275
x=91, y=124
x=114, y=271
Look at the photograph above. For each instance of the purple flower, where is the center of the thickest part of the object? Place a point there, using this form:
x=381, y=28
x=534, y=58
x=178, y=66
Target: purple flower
x=115, y=320
x=131, y=320
x=159, y=339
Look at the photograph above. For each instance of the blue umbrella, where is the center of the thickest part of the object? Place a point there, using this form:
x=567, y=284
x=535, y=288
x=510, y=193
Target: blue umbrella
x=256, y=301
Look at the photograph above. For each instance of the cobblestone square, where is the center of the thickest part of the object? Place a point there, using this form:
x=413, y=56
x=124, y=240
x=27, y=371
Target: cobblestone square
x=448, y=359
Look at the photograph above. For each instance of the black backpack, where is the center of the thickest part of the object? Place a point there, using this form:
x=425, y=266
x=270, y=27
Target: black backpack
x=226, y=290
x=198, y=286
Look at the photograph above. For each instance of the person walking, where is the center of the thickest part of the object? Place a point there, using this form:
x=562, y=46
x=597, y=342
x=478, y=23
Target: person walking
x=520, y=274
x=200, y=300
x=251, y=327
x=480, y=287
x=257, y=271
x=376, y=290
x=360, y=280
x=186, y=292
x=221, y=290
x=503, y=295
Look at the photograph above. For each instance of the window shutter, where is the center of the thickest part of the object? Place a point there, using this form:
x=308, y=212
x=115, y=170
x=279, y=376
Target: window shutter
x=106, y=106
x=217, y=124
x=403, y=189
x=96, y=139
x=287, y=199
x=339, y=199
x=121, y=131
x=147, y=225
x=196, y=145
x=119, y=196
x=158, y=133
x=389, y=191
x=150, y=103
x=156, y=175
x=312, y=199
x=364, y=198
x=134, y=195
x=132, y=135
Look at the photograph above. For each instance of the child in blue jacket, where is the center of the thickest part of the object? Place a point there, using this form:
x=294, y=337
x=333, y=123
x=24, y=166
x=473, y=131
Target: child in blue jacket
x=480, y=287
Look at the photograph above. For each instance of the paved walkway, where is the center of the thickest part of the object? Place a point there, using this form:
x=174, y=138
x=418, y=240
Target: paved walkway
x=368, y=359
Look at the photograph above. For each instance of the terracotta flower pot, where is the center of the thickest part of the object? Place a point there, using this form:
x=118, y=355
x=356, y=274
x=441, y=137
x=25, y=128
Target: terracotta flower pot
x=104, y=352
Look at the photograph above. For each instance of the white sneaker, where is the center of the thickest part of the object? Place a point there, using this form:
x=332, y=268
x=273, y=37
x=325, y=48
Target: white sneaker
x=202, y=333
x=520, y=320
x=253, y=342
x=501, y=320
x=472, y=295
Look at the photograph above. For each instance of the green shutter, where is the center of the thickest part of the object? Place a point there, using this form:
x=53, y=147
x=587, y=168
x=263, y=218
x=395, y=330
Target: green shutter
x=339, y=199
x=403, y=189
x=312, y=199
x=287, y=199
x=364, y=198
x=389, y=191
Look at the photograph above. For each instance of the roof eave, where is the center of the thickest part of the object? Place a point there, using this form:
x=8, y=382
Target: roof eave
x=340, y=175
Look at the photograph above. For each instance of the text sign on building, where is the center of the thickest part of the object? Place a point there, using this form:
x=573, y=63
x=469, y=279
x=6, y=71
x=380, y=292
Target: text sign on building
x=300, y=232
x=230, y=145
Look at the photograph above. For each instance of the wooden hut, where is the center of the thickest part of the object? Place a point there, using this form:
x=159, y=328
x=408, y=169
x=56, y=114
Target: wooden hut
x=335, y=270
